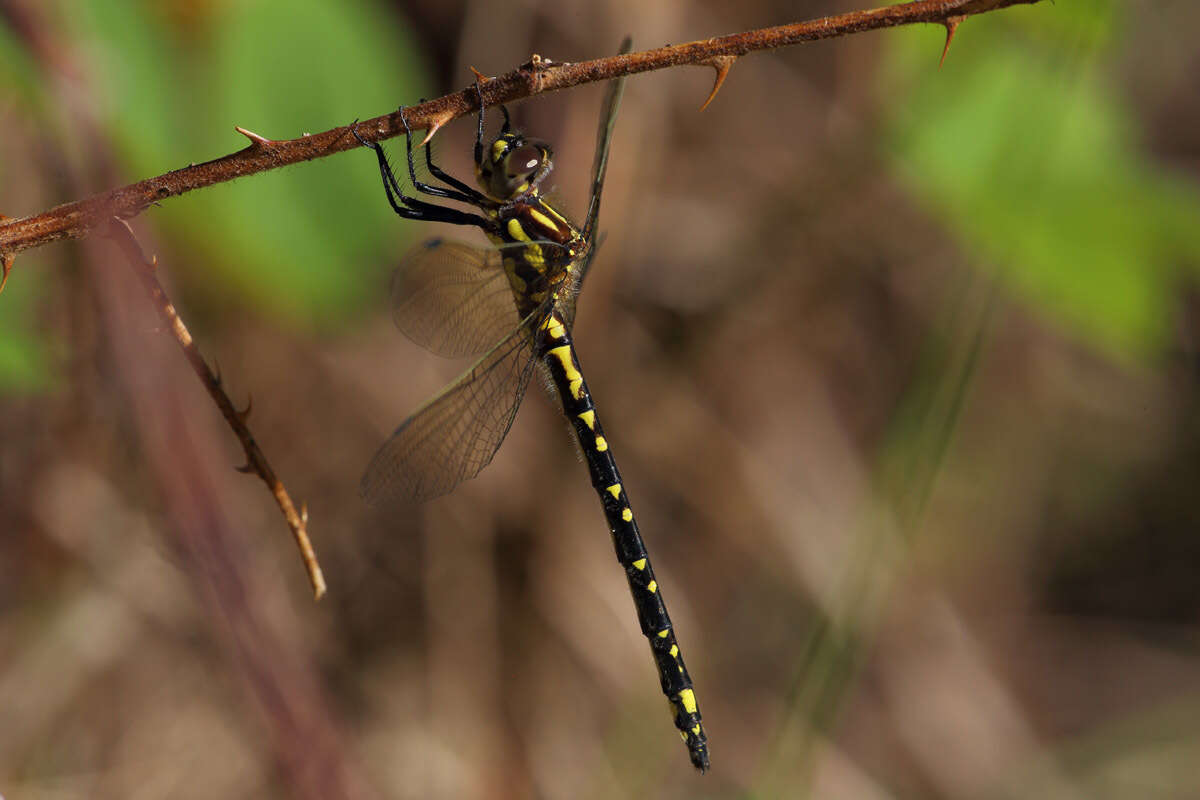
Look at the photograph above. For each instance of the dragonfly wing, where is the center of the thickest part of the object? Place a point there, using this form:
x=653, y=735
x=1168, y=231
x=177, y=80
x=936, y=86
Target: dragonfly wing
x=608, y=120
x=453, y=436
x=452, y=298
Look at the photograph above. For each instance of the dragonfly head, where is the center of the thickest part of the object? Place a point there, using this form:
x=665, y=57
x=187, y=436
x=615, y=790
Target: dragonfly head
x=513, y=166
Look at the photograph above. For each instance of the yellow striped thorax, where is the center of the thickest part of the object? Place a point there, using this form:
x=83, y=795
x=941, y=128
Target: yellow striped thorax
x=539, y=244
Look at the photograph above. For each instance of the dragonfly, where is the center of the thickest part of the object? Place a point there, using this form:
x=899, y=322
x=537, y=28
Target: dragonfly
x=513, y=305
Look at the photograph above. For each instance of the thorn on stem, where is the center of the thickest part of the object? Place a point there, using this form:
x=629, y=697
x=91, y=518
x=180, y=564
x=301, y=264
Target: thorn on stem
x=255, y=139
x=951, y=24
x=245, y=415
x=304, y=513
x=245, y=469
x=6, y=260
x=435, y=125
x=6, y=264
x=722, y=65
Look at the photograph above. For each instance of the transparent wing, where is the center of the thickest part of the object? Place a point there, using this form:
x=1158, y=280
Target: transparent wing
x=608, y=120
x=453, y=436
x=452, y=298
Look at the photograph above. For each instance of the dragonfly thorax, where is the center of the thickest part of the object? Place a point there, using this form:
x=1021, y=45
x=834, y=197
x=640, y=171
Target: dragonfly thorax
x=539, y=248
x=513, y=166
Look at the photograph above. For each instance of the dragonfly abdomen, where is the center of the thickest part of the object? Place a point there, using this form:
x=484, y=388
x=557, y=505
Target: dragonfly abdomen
x=557, y=352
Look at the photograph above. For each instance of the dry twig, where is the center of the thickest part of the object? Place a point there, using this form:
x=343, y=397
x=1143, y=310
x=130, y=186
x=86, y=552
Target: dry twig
x=256, y=462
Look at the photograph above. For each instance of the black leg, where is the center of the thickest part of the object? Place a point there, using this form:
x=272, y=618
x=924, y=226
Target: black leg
x=505, y=128
x=460, y=191
x=410, y=207
x=479, y=129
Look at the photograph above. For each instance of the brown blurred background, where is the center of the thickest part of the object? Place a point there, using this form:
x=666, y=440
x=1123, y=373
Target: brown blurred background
x=900, y=366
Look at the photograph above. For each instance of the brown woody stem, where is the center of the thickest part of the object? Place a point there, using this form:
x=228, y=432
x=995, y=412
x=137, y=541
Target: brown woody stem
x=78, y=219
x=256, y=462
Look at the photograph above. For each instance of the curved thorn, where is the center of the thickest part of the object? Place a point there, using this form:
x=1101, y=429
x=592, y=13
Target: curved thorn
x=255, y=139
x=304, y=513
x=722, y=65
x=216, y=371
x=951, y=24
x=244, y=415
x=6, y=260
x=245, y=469
x=6, y=264
x=435, y=125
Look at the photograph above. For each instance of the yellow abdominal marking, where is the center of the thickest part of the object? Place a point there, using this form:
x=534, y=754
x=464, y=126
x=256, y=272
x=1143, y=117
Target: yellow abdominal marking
x=588, y=417
x=627, y=515
x=615, y=491
x=688, y=698
x=674, y=651
x=574, y=379
x=664, y=633
x=601, y=444
x=498, y=148
x=640, y=564
x=652, y=587
x=696, y=730
x=555, y=328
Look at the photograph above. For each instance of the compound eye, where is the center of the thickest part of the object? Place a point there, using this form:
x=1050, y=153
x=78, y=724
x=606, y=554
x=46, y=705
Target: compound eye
x=523, y=162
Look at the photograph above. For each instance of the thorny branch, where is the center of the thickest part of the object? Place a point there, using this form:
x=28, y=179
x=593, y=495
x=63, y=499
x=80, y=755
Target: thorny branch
x=107, y=211
x=78, y=219
x=256, y=462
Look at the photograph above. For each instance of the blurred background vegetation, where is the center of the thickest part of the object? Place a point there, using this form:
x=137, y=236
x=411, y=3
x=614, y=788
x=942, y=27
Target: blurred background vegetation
x=901, y=364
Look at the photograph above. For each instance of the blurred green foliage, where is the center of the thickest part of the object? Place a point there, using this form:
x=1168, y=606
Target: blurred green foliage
x=1024, y=146
x=22, y=351
x=296, y=242
x=1021, y=145
x=169, y=82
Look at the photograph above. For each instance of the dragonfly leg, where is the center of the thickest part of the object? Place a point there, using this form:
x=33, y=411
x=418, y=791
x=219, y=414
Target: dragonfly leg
x=459, y=191
x=411, y=207
x=479, y=127
x=505, y=128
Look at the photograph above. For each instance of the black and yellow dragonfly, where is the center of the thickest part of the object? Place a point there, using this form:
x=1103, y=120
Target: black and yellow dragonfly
x=514, y=303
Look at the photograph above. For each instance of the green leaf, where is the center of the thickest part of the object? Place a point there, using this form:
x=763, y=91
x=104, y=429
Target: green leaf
x=304, y=242
x=1032, y=160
